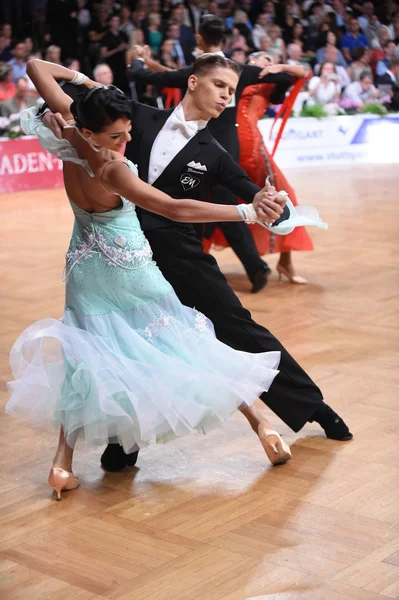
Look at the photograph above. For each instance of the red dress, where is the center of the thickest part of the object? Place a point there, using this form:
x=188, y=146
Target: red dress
x=258, y=163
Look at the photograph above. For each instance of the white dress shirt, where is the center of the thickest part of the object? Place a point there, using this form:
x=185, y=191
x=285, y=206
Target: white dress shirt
x=173, y=137
x=355, y=92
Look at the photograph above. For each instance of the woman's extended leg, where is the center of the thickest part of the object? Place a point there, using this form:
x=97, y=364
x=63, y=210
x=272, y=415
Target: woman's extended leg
x=276, y=449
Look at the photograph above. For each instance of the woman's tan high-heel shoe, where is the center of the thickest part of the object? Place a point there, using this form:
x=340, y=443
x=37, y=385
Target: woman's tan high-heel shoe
x=277, y=450
x=291, y=278
x=62, y=481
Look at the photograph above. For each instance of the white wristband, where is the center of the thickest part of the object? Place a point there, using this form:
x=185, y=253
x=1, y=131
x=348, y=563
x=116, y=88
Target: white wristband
x=247, y=213
x=78, y=78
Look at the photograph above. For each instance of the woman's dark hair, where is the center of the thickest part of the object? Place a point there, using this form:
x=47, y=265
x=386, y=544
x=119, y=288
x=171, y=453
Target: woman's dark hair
x=212, y=29
x=326, y=62
x=100, y=107
x=358, y=52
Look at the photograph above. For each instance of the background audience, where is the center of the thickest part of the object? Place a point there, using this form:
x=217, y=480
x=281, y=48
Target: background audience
x=351, y=46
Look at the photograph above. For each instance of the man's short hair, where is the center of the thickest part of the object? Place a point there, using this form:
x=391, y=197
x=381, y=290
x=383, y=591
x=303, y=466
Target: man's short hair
x=212, y=30
x=394, y=62
x=207, y=62
x=98, y=67
x=364, y=74
x=387, y=42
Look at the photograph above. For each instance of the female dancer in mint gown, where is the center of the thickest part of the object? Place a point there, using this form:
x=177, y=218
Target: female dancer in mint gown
x=127, y=361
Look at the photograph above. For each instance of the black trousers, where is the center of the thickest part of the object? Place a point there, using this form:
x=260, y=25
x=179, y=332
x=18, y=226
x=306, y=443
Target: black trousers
x=237, y=234
x=199, y=283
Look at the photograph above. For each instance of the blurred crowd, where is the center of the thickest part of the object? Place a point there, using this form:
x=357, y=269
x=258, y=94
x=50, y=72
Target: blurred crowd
x=351, y=47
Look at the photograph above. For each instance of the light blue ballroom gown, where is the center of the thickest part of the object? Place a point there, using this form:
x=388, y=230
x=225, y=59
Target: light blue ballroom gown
x=127, y=360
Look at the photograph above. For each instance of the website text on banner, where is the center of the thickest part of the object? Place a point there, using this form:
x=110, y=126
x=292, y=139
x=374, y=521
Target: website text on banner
x=353, y=139
x=24, y=165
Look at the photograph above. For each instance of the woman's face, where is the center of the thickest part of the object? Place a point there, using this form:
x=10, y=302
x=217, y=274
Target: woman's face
x=167, y=46
x=331, y=38
x=28, y=45
x=113, y=136
x=298, y=29
x=328, y=69
x=274, y=33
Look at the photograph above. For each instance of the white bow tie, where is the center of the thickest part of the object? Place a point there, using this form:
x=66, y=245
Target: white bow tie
x=189, y=128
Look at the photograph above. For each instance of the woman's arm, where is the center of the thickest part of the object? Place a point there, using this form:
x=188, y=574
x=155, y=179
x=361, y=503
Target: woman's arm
x=45, y=76
x=117, y=178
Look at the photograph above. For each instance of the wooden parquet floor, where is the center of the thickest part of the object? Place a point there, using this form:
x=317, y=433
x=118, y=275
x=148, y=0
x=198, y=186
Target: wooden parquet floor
x=207, y=517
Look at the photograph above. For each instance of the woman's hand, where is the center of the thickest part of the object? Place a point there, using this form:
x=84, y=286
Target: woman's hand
x=90, y=84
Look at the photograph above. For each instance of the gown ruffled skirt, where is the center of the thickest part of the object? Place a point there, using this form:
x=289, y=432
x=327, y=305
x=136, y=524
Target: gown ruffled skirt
x=127, y=360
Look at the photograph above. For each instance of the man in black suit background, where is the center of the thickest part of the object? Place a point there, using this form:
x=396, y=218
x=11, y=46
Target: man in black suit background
x=181, y=158
x=210, y=38
x=389, y=82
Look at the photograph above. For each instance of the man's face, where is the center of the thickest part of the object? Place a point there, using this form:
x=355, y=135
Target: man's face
x=239, y=57
x=263, y=20
x=212, y=91
x=114, y=23
x=366, y=83
x=178, y=12
x=331, y=54
x=354, y=26
x=174, y=32
x=390, y=50
x=20, y=51
x=22, y=88
x=265, y=42
x=104, y=75
x=295, y=52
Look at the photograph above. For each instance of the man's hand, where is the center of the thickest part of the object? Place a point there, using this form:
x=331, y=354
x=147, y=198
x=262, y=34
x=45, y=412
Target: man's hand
x=54, y=122
x=268, y=204
x=90, y=84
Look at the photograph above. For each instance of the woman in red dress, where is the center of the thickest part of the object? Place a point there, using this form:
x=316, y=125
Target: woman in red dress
x=258, y=163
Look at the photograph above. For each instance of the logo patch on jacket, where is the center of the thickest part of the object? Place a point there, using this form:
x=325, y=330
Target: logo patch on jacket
x=189, y=181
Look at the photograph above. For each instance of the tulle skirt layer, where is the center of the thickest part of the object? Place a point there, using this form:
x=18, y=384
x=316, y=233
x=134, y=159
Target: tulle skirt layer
x=143, y=375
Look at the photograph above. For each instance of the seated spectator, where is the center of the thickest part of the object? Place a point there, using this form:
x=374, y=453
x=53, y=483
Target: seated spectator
x=153, y=35
x=72, y=63
x=265, y=43
x=29, y=48
x=7, y=86
x=389, y=51
x=325, y=89
x=20, y=101
x=278, y=46
x=235, y=40
x=332, y=56
x=330, y=39
x=363, y=91
x=353, y=39
x=53, y=54
x=167, y=57
x=371, y=32
x=5, y=42
x=18, y=63
x=113, y=48
x=389, y=82
x=367, y=10
x=294, y=52
x=182, y=48
x=239, y=56
x=103, y=74
x=299, y=37
x=83, y=15
x=260, y=29
x=127, y=26
x=360, y=63
x=383, y=36
x=5, y=50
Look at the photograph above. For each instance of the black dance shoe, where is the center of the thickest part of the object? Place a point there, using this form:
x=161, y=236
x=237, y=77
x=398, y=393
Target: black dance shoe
x=333, y=425
x=259, y=280
x=115, y=459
